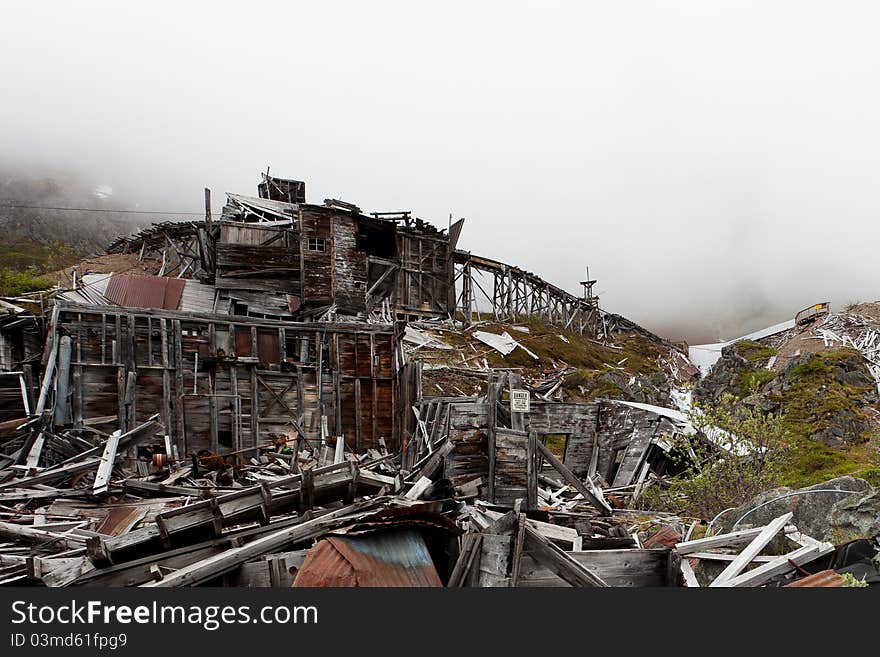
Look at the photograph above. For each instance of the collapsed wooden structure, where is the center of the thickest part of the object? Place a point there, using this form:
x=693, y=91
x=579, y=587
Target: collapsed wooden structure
x=210, y=424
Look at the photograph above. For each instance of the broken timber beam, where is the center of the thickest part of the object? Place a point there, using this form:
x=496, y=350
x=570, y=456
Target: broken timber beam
x=213, y=566
x=543, y=551
x=600, y=504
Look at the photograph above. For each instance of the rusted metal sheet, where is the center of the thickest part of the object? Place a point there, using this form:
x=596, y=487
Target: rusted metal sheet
x=666, y=537
x=390, y=559
x=120, y=519
x=824, y=579
x=132, y=291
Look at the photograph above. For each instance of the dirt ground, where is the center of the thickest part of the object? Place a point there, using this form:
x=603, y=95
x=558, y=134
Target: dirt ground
x=116, y=263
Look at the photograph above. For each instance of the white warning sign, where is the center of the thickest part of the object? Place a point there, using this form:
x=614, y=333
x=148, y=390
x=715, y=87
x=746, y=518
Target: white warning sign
x=519, y=401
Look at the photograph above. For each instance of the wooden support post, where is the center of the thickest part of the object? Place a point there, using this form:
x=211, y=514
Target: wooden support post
x=532, y=472
x=62, y=381
x=492, y=400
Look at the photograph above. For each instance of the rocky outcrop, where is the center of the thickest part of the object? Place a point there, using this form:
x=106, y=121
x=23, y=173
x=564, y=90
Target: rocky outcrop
x=857, y=516
x=824, y=516
x=828, y=397
x=723, y=379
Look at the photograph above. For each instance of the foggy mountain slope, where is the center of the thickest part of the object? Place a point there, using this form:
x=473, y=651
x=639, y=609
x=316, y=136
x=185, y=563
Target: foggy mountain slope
x=45, y=239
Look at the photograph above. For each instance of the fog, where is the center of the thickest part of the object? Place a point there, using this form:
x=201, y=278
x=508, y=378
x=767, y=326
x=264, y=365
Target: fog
x=714, y=164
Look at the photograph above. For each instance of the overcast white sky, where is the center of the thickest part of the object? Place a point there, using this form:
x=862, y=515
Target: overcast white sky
x=714, y=163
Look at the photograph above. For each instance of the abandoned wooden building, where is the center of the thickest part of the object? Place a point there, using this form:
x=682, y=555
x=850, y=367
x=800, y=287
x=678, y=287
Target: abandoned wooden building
x=220, y=382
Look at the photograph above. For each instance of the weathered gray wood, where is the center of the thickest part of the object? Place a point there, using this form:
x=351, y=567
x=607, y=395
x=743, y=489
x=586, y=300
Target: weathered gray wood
x=720, y=556
x=752, y=550
x=600, y=504
x=721, y=540
x=53, y=474
x=780, y=565
x=558, y=561
x=216, y=565
x=62, y=381
x=66, y=540
x=50, y=364
x=690, y=577
x=516, y=561
x=471, y=546
x=105, y=466
x=634, y=455
x=634, y=568
x=435, y=460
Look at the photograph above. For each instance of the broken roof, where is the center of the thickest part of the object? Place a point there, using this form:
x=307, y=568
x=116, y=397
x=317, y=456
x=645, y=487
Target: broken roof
x=145, y=291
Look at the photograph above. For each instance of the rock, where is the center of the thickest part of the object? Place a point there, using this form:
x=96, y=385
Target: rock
x=857, y=516
x=811, y=510
x=846, y=428
x=723, y=377
x=761, y=403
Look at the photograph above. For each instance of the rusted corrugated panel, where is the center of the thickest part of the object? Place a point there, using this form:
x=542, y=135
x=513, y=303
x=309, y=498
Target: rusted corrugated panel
x=389, y=559
x=120, y=519
x=823, y=579
x=132, y=291
x=666, y=537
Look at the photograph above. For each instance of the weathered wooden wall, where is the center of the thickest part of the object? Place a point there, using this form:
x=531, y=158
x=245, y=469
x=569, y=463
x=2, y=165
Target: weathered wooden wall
x=466, y=422
x=425, y=274
x=256, y=257
x=627, y=568
x=349, y=266
x=578, y=421
x=317, y=266
x=229, y=383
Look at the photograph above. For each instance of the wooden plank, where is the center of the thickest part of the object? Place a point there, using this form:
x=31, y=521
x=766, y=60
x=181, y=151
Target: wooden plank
x=50, y=366
x=719, y=556
x=492, y=401
x=472, y=544
x=516, y=562
x=721, y=540
x=752, y=550
x=780, y=565
x=67, y=540
x=105, y=466
x=62, y=381
x=690, y=578
x=219, y=564
x=639, y=443
x=532, y=471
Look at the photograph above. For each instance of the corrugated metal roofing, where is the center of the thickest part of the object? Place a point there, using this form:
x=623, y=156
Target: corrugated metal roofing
x=823, y=579
x=91, y=291
x=397, y=558
x=132, y=291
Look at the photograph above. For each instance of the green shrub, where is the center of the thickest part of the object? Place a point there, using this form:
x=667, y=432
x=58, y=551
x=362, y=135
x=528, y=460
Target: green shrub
x=718, y=479
x=13, y=283
x=752, y=381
